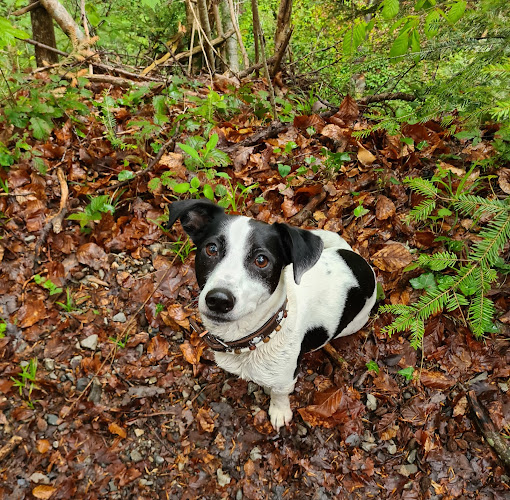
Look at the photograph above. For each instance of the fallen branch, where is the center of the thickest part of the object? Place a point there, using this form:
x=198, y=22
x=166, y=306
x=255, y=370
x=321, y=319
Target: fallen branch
x=168, y=146
x=198, y=49
x=269, y=132
x=9, y=447
x=488, y=430
x=334, y=355
x=387, y=96
x=307, y=211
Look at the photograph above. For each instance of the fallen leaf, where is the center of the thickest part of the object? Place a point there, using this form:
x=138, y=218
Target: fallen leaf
x=460, y=407
x=504, y=180
x=157, y=348
x=365, y=157
x=91, y=255
x=392, y=257
x=43, y=445
x=435, y=380
x=348, y=110
x=43, y=491
x=191, y=353
x=117, y=429
x=385, y=208
x=205, y=420
x=31, y=312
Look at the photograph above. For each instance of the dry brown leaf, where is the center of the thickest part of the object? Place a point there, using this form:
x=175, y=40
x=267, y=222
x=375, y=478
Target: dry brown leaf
x=205, y=420
x=157, y=348
x=336, y=133
x=117, y=429
x=435, y=380
x=43, y=491
x=384, y=208
x=31, y=312
x=288, y=208
x=365, y=157
x=460, y=407
x=192, y=353
x=392, y=257
x=348, y=110
x=91, y=255
x=504, y=180
x=176, y=317
x=43, y=445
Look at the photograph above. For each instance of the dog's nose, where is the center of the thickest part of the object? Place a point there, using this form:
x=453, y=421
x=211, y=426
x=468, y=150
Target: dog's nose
x=220, y=300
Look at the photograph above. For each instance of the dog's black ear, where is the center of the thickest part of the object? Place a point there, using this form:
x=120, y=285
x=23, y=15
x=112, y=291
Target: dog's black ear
x=195, y=215
x=302, y=248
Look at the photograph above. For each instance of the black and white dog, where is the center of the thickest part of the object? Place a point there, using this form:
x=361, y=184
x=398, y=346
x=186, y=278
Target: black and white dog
x=270, y=293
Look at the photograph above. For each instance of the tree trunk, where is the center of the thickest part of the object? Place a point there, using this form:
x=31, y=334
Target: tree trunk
x=206, y=27
x=43, y=31
x=282, y=23
x=65, y=21
x=232, y=55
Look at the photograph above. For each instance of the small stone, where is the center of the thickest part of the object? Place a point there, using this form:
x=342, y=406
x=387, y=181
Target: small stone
x=112, y=486
x=119, y=318
x=371, y=402
x=197, y=388
x=301, y=430
x=53, y=376
x=153, y=380
x=101, y=274
x=412, y=456
x=407, y=470
x=407, y=395
x=185, y=394
x=225, y=388
x=90, y=342
x=368, y=446
x=353, y=440
x=139, y=350
x=139, y=432
x=81, y=383
x=252, y=387
x=75, y=362
x=178, y=336
x=159, y=460
x=392, y=448
x=479, y=378
x=96, y=391
x=51, y=419
x=223, y=478
x=39, y=478
x=49, y=364
x=29, y=239
x=503, y=386
x=255, y=453
x=239, y=495
x=55, y=444
x=136, y=456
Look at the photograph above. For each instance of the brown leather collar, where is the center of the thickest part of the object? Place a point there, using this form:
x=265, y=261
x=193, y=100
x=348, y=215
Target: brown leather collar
x=248, y=343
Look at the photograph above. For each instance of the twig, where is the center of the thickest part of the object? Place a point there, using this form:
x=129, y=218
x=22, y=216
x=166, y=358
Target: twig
x=54, y=222
x=334, y=355
x=168, y=146
x=26, y=9
x=307, y=211
x=10, y=446
x=387, y=96
x=488, y=429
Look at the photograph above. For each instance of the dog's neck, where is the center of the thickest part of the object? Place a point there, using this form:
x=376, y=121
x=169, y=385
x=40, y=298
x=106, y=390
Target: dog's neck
x=235, y=330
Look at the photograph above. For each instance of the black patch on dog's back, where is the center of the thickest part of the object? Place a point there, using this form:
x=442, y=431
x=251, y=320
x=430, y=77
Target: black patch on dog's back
x=356, y=296
x=313, y=339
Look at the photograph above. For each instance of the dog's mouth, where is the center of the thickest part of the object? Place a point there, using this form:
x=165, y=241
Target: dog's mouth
x=216, y=318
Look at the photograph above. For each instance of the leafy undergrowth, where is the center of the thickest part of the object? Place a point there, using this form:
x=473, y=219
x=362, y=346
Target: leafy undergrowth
x=105, y=394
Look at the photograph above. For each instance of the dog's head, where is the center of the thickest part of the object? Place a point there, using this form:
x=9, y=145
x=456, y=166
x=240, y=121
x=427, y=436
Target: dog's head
x=239, y=261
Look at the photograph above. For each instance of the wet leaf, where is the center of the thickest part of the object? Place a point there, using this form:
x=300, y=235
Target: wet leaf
x=392, y=257
x=91, y=255
x=384, y=208
x=43, y=446
x=43, y=491
x=192, y=353
x=157, y=348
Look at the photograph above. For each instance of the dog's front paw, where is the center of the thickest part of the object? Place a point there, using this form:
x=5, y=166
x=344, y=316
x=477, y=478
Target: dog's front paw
x=280, y=412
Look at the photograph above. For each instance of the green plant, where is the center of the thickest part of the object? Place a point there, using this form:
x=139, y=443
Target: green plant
x=229, y=196
x=3, y=328
x=372, y=366
x=182, y=249
x=95, y=209
x=4, y=186
x=360, y=210
x=407, y=373
x=461, y=282
x=160, y=307
x=121, y=342
x=202, y=154
x=47, y=284
x=69, y=305
x=27, y=377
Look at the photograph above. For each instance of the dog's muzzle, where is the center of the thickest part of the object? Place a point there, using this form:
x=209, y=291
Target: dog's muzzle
x=220, y=300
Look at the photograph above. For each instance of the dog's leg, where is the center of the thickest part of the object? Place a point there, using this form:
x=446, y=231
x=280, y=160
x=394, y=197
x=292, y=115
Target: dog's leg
x=279, y=408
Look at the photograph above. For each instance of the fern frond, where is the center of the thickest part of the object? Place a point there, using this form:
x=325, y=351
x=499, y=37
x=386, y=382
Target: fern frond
x=437, y=261
x=423, y=210
x=476, y=206
x=417, y=333
x=456, y=301
x=422, y=186
x=494, y=238
x=480, y=315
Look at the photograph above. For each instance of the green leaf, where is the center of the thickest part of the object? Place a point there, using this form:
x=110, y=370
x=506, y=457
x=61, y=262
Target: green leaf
x=390, y=9
x=423, y=282
x=182, y=187
x=40, y=127
x=456, y=11
x=373, y=366
x=407, y=373
x=190, y=151
x=92, y=14
x=211, y=143
x=360, y=211
x=432, y=20
x=154, y=183
x=208, y=192
x=125, y=175
x=415, y=44
x=195, y=183
x=284, y=170
x=400, y=44
x=8, y=33
x=150, y=3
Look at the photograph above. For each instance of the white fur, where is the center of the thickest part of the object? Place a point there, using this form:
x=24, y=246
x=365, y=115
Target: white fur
x=318, y=300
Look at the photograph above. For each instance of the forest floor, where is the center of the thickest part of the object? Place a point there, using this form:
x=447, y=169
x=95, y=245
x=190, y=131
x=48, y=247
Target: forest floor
x=125, y=403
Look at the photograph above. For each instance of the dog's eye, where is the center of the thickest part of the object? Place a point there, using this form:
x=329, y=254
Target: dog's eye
x=261, y=261
x=211, y=249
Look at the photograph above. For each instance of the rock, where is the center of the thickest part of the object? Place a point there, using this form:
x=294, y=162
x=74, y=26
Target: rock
x=255, y=453
x=96, y=391
x=223, y=478
x=119, y=318
x=136, y=456
x=139, y=432
x=49, y=364
x=75, y=362
x=29, y=239
x=371, y=402
x=407, y=470
x=252, y=387
x=392, y=448
x=112, y=486
x=503, y=386
x=412, y=456
x=365, y=445
x=39, y=478
x=90, y=342
x=301, y=430
x=159, y=460
x=81, y=384
x=51, y=419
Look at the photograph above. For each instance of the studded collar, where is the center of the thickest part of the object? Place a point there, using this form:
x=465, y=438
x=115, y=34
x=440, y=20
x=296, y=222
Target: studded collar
x=251, y=341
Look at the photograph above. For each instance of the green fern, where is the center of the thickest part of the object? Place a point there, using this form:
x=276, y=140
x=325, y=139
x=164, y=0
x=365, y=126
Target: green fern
x=469, y=282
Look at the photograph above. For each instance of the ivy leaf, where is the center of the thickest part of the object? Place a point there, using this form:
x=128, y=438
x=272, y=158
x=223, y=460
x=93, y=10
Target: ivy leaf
x=424, y=282
x=400, y=44
x=407, y=373
x=125, y=175
x=284, y=170
x=390, y=9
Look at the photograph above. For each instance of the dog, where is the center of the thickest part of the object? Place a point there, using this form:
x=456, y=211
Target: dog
x=271, y=293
